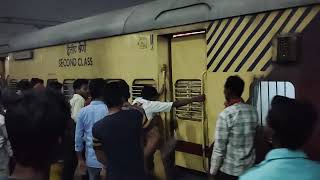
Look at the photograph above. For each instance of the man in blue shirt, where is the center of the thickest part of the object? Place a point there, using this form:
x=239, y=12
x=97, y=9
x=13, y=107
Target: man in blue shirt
x=292, y=123
x=86, y=118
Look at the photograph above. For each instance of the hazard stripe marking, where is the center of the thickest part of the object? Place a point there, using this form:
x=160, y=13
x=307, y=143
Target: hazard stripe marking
x=244, y=43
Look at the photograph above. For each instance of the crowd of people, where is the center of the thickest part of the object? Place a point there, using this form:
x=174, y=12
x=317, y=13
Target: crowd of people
x=99, y=133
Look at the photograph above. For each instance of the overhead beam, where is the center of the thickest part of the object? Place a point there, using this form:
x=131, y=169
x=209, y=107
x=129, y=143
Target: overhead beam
x=4, y=49
x=4, y=45
x=38, y=23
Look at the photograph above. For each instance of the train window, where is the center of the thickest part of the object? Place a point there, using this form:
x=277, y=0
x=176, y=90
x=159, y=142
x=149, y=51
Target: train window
x=264, y=93
x=138, y=85
x=68, y=88
x=13, y=84
x=186, y=88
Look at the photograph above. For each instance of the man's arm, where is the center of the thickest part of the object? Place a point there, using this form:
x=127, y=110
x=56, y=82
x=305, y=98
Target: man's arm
x=184, y=102
x=97, y=146
x=158, y=106
x=79, y=133
x=220, y=145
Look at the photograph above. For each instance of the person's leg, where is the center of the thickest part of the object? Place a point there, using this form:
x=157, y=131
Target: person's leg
x=150, y=166
x=70, y=165
x=223, y=176
x=86, y=176
x=70, y=156
x=168, y=157
x=94, y=173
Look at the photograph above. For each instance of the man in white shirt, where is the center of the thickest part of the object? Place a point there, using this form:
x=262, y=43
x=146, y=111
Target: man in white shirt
x=81, y=92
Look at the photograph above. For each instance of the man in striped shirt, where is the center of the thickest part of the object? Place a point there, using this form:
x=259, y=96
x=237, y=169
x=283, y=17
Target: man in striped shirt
x=234, y=151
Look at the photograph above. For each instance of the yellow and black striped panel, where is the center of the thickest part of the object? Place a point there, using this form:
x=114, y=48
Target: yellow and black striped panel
x=243, y=43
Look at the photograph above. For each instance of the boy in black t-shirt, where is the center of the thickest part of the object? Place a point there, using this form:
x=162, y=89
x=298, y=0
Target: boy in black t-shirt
x=118, y=138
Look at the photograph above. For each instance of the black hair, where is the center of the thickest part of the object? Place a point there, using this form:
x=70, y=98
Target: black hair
x=292, y=121
x=24, y=85
x=113, y=95
x=78, y=83
x=97, y=87
x=35, y=121
x=35, y=81
x=235, y=85
x=55, y=85
x=149, y=92
x=125, y=89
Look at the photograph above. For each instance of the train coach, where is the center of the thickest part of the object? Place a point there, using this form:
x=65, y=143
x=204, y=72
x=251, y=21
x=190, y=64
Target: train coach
x=189, y=46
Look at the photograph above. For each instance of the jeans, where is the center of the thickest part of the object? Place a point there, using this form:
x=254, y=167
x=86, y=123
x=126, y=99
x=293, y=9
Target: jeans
x=94, y=173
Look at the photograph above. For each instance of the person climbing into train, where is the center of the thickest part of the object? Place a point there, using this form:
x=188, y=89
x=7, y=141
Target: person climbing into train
x=86, y=118
x=35, y=135
x=81, y=92
x=291, y=122
x=118, y=138
x=234, y=151
x=154, y=127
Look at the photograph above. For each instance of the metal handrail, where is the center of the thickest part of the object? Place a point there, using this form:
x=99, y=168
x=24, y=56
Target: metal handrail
x=204, y=118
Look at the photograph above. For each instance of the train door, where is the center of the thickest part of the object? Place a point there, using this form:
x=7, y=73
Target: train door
x=188, y=65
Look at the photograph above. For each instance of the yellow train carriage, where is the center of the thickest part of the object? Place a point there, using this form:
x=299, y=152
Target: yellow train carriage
x=190, y=46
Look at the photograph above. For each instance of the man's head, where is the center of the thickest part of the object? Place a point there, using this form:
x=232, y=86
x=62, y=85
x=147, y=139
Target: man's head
x=37, y=83
x=233, y=88
x=56, y=86
x=291, y=121
x=97, y=88
x=35, y=122
x=113, y=96
x=149, y=93
x=125, y=89
x=80, y=87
